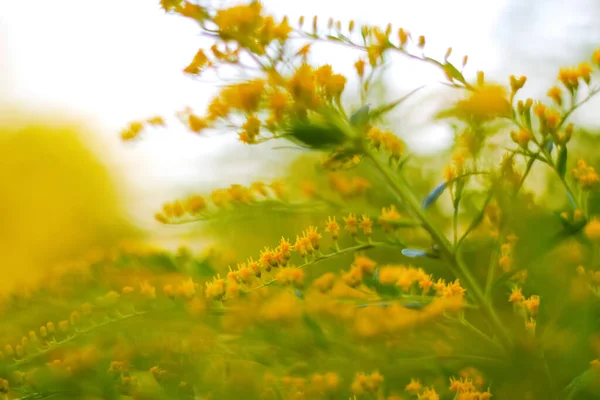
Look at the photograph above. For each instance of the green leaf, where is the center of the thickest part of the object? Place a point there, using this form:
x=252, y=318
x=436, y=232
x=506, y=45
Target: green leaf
x=460, y=186
x=313, y=326
x=360, y=117
x=378, y=112
x=454, y=73
x=316, y=134
x=561, y=163
x=204, y=269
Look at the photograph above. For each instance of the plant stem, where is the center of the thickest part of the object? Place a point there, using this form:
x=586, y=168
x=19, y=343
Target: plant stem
x=445, y=248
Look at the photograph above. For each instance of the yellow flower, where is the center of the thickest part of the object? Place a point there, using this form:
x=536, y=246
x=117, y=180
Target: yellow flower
x=389, y=216
x=302, y=86
x=429, y=394
x=333, y=228
x=555, y=93
x=532, y=304
x=517, y=83
x=392, y=144
x=403, y=37
x=552, y=118
x=584, y=70
x=351, y=224
x=197, y=124
x=488, y=102
x=353, y=278
x=516, y=296
x=365, y=264
x=522, y=137
x=375, y=137
x=360, y=67
x=596, y=58
x=414, y=386
x=187, y=288
x=216, y=289
x=366, y=225
x=195, y=204
x=592, y=230
x=278, y=103
x=244, y=96
x=325, y=282
x=198, y=63
x=314, y=237
x=147, y=290
x=585, y=175
x=239, y=21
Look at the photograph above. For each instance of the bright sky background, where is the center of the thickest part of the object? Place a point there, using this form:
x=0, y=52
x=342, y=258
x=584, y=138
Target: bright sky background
x=114, y=61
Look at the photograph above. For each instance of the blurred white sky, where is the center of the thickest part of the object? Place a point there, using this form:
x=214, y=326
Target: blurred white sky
x=113, y=61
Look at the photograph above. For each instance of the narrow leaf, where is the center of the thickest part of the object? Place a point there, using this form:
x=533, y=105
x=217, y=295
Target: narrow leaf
x=414, y=253
x=389, y=107
x=434, y=195
x=361, y=116
x=561, y=164
x=454, y=73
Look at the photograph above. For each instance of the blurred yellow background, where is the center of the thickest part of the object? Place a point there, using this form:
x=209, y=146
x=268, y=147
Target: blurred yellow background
x=58, y=199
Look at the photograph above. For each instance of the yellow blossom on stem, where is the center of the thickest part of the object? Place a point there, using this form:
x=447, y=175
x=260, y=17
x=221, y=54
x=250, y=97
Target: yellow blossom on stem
x=429, y=394
x=389, y=217
x=366, y=225
x=367, y=384
x=314, y=237
x=413, y=387
x=555, y=93
x=216, y=289
x=516, y=296
x=351, y=224
x=530, y=325
x=585, y=175
x=353, y=278
x=365, y=264
x=532, y=304
x=325, y=282
x=333, y=228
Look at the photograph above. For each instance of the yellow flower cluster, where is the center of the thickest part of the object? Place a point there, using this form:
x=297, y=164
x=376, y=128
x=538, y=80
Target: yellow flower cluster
x=485, y=103
x=193, y=206
x=465, y=389
x=310, y=87
x=309, y=242
x=389, y=219
x=290, y=276
x=529, y=306
x=415, y=388
x=585, y=175
x=348, y=187
x=362, y=266
x=570, y=77
x=249, y=27
x=506, y=253
x=300, y=388
x=235, y=194
x=386, y=141
x=406, y=276
x=352, y=223
x=367, y=384
x=133, y=130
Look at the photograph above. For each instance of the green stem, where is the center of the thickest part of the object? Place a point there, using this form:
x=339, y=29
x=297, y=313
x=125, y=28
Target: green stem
x=445, y=248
